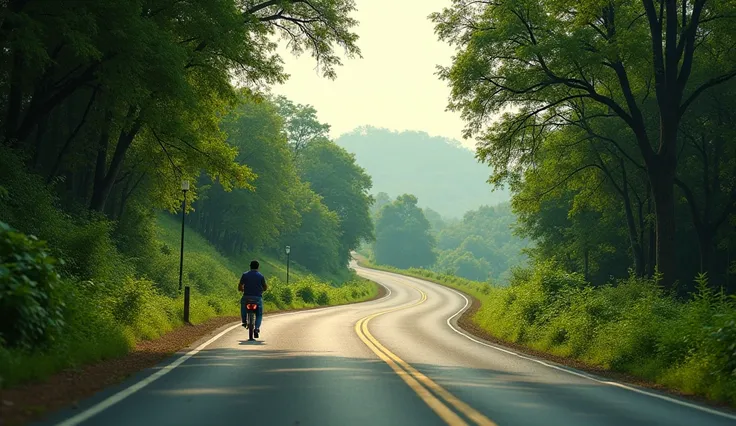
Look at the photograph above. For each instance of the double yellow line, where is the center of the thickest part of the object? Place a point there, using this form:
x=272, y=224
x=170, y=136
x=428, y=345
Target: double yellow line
x=429, y=391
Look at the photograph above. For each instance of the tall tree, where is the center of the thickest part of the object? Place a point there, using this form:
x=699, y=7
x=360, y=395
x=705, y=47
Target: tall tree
x=153, y=57
x=344, y=187
x=554, y=64
x=301, y=124
x=403, y=235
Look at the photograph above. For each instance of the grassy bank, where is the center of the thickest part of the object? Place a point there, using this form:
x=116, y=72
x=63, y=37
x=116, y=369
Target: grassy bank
x=131, y=299
x=631, y=326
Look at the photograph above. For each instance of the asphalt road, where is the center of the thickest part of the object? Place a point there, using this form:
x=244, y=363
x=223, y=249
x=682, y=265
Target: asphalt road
x=400, y=360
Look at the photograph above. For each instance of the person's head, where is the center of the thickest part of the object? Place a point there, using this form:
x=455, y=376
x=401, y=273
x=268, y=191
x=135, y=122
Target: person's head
x=254, y=264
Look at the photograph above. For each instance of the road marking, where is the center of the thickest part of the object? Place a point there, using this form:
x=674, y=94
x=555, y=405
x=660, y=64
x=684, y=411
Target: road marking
x=412, y=377
x=566, y=370
x=114, y=399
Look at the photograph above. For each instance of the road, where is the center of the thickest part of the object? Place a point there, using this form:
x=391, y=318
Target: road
x=399, y=360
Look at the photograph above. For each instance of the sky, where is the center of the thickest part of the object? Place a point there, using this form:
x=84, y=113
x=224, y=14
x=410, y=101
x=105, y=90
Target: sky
x=394, y=85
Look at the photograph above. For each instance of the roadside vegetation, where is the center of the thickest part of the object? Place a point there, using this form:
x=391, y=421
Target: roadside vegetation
x=52, y=322
x=631, y=325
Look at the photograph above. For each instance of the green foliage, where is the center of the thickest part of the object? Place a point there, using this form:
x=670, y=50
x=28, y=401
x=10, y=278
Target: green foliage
x=30, y=305
x=323, y=298
x=343, y=185
x=255, y=129
x=285, y=295
x=300, y=124
x=403, y=237
x=580, y=124
x=306, y=293
x=482, y=246
x=315, y=243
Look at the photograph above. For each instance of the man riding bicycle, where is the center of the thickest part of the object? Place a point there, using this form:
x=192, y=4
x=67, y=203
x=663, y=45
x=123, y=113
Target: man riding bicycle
x=252, y=285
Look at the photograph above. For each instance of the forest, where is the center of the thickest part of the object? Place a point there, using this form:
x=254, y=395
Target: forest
x=482, y=246
x=107, y=107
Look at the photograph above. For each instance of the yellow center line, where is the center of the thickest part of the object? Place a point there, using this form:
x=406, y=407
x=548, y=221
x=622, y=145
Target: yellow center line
x=412, y=377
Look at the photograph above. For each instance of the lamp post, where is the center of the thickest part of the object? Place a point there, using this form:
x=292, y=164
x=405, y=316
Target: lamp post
x=184, y=189
x=288, y=250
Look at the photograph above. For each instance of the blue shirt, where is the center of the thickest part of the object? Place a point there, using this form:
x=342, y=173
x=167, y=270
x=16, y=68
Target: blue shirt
x=253, y=283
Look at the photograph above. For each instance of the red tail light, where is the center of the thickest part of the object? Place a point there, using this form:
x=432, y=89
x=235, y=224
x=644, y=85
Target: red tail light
x=251, y=306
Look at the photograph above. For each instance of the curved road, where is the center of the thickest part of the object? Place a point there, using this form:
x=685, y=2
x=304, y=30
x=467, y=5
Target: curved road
x=399, y=360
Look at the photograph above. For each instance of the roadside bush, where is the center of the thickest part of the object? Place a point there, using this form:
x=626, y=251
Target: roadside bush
x=30, y=306
x=323, y=298
x=306, y=293
x=286, y=295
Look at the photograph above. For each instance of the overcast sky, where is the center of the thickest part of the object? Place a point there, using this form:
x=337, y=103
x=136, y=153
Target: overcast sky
x=394, y=85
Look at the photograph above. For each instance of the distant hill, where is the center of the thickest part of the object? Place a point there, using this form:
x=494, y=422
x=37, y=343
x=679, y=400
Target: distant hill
x=444, y=175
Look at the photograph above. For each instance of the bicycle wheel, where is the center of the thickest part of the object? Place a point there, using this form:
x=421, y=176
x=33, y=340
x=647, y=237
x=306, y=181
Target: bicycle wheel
x=251, y=324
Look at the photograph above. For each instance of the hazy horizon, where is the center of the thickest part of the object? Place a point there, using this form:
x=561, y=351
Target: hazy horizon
x=405, y=97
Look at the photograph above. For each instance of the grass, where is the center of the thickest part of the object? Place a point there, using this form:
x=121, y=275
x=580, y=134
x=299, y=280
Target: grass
x=630, y=326
x=106, y=317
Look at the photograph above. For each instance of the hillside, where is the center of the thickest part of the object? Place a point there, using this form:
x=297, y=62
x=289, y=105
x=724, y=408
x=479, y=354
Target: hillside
x=442, y=174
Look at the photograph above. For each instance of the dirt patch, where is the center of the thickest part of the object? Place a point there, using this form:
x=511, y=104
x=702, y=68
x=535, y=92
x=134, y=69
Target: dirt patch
x=466, y=323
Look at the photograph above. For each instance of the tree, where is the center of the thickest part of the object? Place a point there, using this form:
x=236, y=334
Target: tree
x=380, y=200
x=343, y=185
x=119, y=87
x=315, y=242
x=250, y=219
x=482, y=245
x=435, y=219
x=403, y=235
x=554, y=64
x=301, y=124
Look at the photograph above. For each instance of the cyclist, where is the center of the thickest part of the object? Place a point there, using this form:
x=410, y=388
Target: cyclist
x=252, y=285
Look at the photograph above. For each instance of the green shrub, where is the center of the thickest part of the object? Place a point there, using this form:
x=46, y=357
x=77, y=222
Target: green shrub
x=30, y=306
x=323, y=298
x=306, y=293
x=286, y=295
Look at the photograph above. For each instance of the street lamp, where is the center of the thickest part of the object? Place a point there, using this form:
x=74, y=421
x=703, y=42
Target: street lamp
x=288, y=250
x=184, y=189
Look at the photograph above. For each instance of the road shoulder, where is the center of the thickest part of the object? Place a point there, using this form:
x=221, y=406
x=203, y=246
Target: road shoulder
x=32, y=401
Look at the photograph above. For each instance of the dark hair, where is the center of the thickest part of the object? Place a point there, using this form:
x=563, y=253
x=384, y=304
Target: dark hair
x=254, y=264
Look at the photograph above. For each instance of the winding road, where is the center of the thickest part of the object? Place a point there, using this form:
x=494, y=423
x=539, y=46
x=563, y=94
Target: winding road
x=398, y=360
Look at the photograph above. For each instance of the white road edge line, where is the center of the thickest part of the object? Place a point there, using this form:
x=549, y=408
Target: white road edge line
x=114, y=399
x=575, y=373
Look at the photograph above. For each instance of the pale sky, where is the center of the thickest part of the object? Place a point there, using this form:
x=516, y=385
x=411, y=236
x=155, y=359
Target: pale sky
x=394, y=85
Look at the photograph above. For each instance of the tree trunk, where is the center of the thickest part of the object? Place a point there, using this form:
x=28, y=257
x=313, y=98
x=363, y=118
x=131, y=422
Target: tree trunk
x=65, y=148
x=15, y=97
x=43, y=125
x=103, y=189
x=101, y=162
x=636, y=248
x=663, y=190
x=705, y=246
